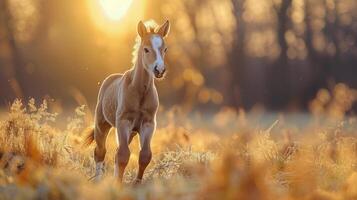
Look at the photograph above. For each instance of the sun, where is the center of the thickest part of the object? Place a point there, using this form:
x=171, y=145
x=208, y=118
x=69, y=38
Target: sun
x=115, y=9
x=115, y=17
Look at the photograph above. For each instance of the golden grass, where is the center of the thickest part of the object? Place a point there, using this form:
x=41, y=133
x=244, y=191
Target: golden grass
x=226, y=157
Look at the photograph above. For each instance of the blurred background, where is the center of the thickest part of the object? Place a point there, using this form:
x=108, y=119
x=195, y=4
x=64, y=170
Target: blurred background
x=271, y=54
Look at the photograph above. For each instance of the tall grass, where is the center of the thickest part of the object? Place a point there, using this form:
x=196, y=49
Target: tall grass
x=193, y=158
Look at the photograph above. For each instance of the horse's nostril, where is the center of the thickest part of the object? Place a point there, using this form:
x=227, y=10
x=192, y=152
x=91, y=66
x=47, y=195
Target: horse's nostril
x=155, y=69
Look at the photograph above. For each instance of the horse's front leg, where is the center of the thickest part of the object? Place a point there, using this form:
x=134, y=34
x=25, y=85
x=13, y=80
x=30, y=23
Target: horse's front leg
x=146, y=132
x=123, y=152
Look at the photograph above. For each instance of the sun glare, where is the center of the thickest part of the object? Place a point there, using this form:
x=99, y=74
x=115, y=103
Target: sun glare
x=116, y=17
x=115, y=9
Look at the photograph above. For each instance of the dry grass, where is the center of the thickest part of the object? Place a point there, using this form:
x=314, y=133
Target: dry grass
x=226, y=157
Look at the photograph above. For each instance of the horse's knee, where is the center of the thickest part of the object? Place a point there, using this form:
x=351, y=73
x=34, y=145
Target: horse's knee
x=122, y=155
x=145, y=157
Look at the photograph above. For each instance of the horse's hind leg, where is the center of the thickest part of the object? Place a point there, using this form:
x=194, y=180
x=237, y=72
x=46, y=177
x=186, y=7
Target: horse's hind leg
x=101, y=131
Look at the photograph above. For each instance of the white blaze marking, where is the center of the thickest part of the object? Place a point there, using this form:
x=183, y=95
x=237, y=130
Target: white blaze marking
x=156, y=43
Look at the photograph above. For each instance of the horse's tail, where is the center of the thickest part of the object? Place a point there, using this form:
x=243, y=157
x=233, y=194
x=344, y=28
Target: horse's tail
x=89, y=136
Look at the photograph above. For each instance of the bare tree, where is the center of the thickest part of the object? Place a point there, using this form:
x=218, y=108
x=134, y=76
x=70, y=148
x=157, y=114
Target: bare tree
x=278, y=79
x=237, y=56
x=15, y=66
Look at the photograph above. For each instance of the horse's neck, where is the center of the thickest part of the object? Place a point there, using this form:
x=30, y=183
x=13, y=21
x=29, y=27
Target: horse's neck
x=142, y=80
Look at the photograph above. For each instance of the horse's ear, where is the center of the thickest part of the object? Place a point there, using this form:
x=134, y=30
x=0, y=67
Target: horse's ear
x=164, y=29
x=142, y=29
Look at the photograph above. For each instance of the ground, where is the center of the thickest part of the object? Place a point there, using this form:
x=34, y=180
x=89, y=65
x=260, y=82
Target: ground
x=227, y=155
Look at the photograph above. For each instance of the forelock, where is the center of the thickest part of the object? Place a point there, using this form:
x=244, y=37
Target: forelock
x=151, y=25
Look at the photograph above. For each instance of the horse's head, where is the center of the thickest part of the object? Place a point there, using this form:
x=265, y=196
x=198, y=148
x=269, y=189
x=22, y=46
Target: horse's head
x=153, y=48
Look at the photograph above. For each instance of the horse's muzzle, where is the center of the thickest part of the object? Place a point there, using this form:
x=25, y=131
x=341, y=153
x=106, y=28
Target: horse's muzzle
x=158, y=73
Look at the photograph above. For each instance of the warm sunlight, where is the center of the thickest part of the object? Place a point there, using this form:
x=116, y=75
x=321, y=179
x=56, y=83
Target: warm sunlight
x=178, y=99
x=115, y=9
x=116, y=16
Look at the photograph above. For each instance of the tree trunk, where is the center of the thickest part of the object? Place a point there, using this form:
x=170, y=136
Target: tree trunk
x=279, y=80
x=17, y=78
x=237, y=57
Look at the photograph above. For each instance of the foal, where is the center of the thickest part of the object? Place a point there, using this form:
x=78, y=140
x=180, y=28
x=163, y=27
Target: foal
x=129, y=103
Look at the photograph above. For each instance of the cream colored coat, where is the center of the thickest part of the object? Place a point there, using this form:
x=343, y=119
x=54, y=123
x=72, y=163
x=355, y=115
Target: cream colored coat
x=129, y=102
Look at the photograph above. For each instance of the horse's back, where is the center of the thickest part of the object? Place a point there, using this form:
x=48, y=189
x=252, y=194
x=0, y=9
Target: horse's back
x=107, y=83
x=111, y=78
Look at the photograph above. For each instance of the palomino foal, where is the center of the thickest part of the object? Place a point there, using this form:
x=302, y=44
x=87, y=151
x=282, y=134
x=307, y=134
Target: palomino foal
x=129, y=103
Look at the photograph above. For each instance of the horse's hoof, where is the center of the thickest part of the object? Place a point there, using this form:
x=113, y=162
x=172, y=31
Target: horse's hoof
x=99, y=171
x=96, y=178
x=137, y=182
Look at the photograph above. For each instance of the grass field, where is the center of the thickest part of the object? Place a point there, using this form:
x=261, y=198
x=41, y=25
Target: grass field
x=226, y=155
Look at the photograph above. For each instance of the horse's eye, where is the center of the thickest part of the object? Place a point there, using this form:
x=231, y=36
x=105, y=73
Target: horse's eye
x=165, y=50
x=146, y=50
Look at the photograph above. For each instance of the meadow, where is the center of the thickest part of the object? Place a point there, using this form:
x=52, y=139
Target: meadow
x=226, y=155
